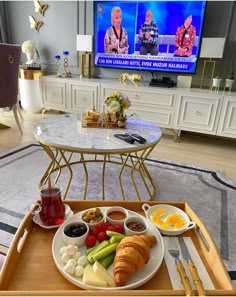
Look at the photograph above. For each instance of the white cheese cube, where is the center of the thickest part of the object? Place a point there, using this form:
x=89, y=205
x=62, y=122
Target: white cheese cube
x=69, y=268
x=77, y=255
x=82, y=261
x=79, y=271
x=72, y=261
x=71, y=250
x=65, y=258
x=63, y=250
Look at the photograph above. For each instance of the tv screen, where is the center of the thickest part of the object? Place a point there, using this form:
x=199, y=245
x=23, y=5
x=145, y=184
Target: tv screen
x=148, y=35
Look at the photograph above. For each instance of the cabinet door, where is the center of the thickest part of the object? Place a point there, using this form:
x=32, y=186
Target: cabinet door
x=83, y=97
x=227, y=123
x=147, y=103
x=198, y=113
x=54, y=94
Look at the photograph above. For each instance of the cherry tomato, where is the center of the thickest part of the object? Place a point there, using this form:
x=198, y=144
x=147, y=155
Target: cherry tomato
x=101, y=227
x=90, y=241
x=94, y=231
x=111, y=228
x=119, y=228
x=102, y=236
x=108, y=224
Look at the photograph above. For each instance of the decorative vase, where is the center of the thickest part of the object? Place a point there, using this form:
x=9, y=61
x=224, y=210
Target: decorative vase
x=229, y=84
x=216, y=84
x=30, y=58
x=58, y=65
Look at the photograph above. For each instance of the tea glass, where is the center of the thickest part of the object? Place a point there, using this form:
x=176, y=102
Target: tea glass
x=51, y=209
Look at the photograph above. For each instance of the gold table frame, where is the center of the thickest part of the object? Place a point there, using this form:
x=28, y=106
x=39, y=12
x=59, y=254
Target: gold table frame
x=68, y=144
x=135, y=160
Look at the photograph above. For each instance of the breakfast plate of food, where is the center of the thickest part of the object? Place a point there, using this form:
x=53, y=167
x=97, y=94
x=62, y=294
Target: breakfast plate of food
x=114, y=261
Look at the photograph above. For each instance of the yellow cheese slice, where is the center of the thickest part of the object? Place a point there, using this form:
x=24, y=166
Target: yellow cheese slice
x=93, y=279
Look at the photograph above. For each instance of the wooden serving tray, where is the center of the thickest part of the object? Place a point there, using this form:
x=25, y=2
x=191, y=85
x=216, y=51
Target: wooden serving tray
x=29, y=268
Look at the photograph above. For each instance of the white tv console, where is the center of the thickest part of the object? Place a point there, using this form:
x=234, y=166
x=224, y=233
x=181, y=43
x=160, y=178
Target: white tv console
x=195, y=110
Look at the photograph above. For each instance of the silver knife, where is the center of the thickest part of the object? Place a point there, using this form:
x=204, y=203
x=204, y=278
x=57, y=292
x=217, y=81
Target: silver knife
x=192, y=268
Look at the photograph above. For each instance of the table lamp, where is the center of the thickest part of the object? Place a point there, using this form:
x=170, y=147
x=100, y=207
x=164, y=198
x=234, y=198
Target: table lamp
x=85, y=45
x=211, y=48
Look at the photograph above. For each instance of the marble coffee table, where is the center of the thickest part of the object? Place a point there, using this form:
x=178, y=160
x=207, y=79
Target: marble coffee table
x=63, y=136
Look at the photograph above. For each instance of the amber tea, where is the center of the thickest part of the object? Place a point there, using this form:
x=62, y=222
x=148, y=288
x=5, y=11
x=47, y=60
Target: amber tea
x=52, y=208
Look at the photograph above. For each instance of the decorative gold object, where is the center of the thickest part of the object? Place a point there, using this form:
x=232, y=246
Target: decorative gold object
x=35, y=24
x=91, y=118
x=134, y=78
x=67, y=72
x=58, y=65
x=40, y=7
x=94, y=119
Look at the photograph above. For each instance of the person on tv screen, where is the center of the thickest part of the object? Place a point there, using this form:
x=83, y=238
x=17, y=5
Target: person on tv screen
x=148, y=36
x=184, y=38
x=116, y=37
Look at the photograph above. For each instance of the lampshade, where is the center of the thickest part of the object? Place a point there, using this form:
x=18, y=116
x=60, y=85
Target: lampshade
x=212, y=47
x=84, y=43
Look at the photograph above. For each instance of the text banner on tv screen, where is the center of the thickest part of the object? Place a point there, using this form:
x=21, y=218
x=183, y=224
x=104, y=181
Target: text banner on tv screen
x=179, y=28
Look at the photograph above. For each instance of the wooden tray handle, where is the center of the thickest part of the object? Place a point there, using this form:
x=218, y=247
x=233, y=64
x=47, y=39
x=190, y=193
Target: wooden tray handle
x=22, y=240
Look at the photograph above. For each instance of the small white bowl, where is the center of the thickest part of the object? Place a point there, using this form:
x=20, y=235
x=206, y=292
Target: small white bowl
x=169, y=210
x=136, y=220
x=92, y=224
x=116, y=215
x=76, y=240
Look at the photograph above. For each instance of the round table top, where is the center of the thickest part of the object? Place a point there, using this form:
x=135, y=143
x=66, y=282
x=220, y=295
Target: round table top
x=66, y=132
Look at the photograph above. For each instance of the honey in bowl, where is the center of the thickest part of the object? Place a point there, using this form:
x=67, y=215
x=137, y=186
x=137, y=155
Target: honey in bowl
x=117, y=215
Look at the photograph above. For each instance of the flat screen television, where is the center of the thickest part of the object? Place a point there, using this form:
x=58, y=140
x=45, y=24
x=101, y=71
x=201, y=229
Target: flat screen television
x=177, y=47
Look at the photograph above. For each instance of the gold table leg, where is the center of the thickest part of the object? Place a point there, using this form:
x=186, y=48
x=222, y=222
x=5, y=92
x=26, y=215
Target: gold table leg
x=61, y=158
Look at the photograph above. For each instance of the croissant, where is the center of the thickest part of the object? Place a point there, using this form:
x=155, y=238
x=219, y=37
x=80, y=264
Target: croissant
x=132, y=253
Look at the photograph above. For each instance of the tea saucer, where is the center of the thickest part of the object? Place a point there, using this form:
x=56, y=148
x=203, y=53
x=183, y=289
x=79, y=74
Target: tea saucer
x=68, y=214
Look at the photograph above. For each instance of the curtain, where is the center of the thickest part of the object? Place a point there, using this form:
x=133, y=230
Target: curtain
x=4, y=29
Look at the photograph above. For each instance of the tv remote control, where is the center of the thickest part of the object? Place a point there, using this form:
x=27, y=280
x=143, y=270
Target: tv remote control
x=126, y=137
x=137, y=138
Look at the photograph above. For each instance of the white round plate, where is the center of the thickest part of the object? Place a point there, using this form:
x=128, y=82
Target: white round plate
x=68, y=214
x=136, y=280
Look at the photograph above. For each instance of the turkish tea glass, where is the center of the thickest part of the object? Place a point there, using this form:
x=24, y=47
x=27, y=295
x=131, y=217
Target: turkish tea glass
x=51, y=208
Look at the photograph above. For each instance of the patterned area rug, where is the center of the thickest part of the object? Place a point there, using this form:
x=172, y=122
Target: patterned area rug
x=210, y=193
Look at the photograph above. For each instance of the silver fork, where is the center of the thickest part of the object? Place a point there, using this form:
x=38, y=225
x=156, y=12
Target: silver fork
x=173, y=249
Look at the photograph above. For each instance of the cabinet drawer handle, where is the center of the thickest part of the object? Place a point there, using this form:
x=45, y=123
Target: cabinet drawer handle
x=84, y=99
x=137, y=96
x=198, y=113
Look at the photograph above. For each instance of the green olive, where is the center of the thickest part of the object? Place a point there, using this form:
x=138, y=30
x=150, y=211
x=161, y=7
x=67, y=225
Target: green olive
x=90, y=215
x=99, y=218
x=97, y=212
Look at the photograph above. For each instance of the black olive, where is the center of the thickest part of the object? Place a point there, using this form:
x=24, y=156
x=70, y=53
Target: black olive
x=75, y=230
